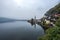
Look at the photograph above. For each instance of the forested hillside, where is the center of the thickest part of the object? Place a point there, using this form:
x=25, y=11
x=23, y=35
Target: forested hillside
x=53, y=33
x=53, y=10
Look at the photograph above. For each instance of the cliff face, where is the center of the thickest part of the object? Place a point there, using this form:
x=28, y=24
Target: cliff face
x=53, y=10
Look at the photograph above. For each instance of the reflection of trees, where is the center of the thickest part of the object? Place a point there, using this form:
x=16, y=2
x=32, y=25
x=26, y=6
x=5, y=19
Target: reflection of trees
x=33, y=25
x=32, y=22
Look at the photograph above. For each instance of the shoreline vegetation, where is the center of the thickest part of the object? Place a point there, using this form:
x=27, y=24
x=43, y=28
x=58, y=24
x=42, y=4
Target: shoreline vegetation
x=50, y=22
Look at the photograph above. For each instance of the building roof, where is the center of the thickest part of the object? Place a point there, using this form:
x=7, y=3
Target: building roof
x=57, y=14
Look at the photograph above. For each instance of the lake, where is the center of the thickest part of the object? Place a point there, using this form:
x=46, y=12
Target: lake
x=20, y=30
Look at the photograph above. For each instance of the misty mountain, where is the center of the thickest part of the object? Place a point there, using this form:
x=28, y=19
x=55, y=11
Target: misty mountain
x=3, y=20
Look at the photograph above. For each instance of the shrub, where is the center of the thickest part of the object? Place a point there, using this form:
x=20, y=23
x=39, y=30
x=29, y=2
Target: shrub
x=52, y=34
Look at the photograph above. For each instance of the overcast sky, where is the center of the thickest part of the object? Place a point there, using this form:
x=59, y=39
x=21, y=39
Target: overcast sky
x=25, y=9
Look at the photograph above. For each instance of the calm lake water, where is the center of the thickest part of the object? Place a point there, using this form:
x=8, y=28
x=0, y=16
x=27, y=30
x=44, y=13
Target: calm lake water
x=20, y=30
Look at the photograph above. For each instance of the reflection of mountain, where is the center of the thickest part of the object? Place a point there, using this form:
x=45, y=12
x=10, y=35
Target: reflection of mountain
x=3, y=20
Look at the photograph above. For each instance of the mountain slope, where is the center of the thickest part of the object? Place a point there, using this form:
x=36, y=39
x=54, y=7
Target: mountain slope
x=53, y=10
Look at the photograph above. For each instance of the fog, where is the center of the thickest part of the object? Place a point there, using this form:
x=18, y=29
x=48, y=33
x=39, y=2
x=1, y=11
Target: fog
x=25, y=9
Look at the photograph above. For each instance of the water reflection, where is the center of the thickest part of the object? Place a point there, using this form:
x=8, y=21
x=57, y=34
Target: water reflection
x=34, y=24
x=20, y=31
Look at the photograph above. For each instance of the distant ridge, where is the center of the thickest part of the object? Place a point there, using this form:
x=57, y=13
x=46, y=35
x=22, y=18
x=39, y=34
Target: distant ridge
x=3, y=20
